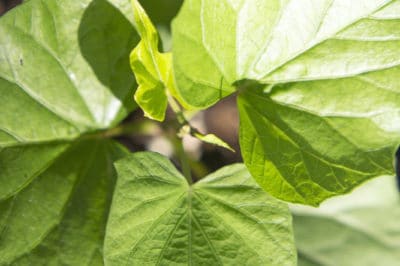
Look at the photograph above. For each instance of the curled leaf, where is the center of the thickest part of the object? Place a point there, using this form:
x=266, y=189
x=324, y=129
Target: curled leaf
x=152, y=69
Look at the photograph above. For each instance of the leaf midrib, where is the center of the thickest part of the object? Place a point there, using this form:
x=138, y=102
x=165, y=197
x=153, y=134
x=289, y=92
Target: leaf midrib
x=207, y=207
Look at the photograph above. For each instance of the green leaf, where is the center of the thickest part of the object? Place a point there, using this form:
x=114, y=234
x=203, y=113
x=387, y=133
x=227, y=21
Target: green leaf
x=60, y=217
x=279, y=41
x=213, y=139
x=308, y=151
x=357, y=229
x=225, y=219
x=329, y=114
x=160, y=11
x=42, y=112
x=87, y=82
x=163, y=11
x=153, y=70
x=64, y=76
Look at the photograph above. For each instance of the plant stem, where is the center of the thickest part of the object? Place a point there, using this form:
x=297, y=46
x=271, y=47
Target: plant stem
x=178, y=141
x=177, y=110
x=184, y=160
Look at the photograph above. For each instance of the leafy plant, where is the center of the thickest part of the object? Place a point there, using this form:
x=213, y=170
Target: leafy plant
x=318, y=92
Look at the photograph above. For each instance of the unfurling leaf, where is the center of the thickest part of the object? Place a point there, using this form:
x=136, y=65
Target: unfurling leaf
x=213, y=139
x=152, y=69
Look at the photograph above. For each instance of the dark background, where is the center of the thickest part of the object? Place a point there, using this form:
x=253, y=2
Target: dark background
x=6, y=5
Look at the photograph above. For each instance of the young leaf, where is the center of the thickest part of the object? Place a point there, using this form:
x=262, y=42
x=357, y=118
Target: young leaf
x=153, y=70
x=357, y=229
x=208, y=138
x=329, y=116
x=213, y=139
x=157, y=218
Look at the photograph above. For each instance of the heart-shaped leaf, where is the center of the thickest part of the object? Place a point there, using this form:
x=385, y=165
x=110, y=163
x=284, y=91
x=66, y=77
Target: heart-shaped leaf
x=225, y=219
x=318, y=80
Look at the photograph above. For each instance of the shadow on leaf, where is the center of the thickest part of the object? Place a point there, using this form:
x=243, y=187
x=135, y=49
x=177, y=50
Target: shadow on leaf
x=106, y=39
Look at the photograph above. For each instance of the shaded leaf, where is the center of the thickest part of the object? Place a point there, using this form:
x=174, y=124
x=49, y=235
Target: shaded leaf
x=60, y=83
x=162, y=11
x=43, y=112
x=60, y=217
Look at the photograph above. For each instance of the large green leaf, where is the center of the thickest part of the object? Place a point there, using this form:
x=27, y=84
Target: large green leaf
x=74, y=76
x=58, y=81
x=317, y=146
x=329, y=115
x=357, y=229
x=64, y=74
x=156, y=218
x=275, y=41
x=60, y=217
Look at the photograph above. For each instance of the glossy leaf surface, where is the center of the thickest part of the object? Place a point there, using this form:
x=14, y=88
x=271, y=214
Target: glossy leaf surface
x=225, y=219
x=357, y=229
x=328, y=118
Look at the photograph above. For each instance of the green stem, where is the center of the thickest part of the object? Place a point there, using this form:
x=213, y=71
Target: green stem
x=177, y=110
x=178, y=142
x=184, y=160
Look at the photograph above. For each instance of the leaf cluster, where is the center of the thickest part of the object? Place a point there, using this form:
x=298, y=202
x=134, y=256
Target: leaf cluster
x=319, y=104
